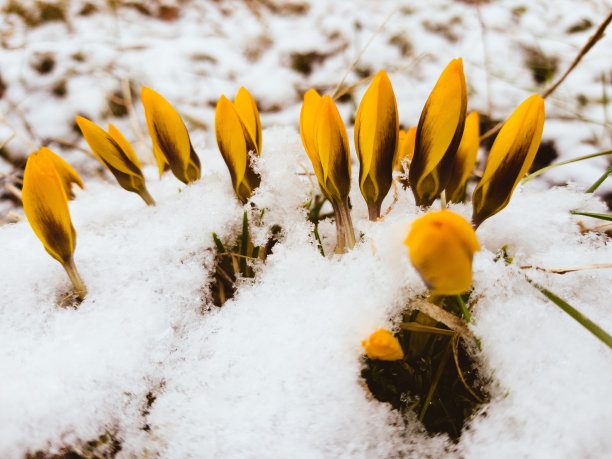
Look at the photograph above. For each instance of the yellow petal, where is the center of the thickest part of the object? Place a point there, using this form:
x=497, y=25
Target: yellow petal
x=376, y=135
x=115, y=152
x=465, y=158
x=441, y=247
x=46, y=207
x=170, y=137
x=235, y=144
x=405, y=147
x=382, y=345
x=308, y=113
x=332, y=146
x=438, y=134
x=247, y=109
x=511, y=156
x=66, y=173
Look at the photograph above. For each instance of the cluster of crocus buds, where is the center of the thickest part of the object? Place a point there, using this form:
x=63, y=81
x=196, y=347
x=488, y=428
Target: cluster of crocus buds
x=238, y=132
x=441, y=248
x=326, y=143
x=47, y=187
x=382, y=345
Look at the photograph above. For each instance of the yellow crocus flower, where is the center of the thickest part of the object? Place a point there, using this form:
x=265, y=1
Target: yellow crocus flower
x=382, y=345
x=45, y=204
x=115, y=152
x=326, y=143
x=376, y=137
x=238, y=132
x=510, y=158
x=171, y=143
x=438, y=134
x=465, y=159
x=441, y=247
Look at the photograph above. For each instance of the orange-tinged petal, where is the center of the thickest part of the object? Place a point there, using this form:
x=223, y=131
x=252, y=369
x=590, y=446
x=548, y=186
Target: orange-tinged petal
x=66, y=173
x=308, y=117
x=46, y=207
x=510, y=158
x=438, y=134
x=235, y=144
x=441, y=247
x=405, y=147
x=170, y=137
x=331, y=144
x=382, y=345
x=465, y=158
x=247, y=109
x=376, y=136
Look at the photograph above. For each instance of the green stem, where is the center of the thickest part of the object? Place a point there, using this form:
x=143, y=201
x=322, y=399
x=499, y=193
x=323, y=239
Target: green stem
x=77, y=282
x=569, y=161
x=464, y=309
x=244, y=245
x=575, y=314
x=605, y=217
x=340, y=230
x=436, y=380
x=599, y=181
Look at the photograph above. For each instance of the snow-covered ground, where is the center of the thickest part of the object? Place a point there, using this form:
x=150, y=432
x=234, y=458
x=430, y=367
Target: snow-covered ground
x=276, y=371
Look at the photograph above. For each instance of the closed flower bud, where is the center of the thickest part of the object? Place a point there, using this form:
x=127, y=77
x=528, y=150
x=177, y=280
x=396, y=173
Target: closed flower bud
x=326, y=143
x=116, y=153
x=238, y=132
x=45, y=204
x=511, y=156
x=382, y=345
x=438, y=134
x=465, y=159
x=171, y=143
x=376, y=135
x=441, y=247
x=405, y=149
x=66, y=173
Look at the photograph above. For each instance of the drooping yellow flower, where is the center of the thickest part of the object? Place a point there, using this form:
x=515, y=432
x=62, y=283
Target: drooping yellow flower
x=438, y=134
x=382, y=345
x=405, y=148
x=326, y=143
x=465, y=159
x=511, y=156
x=66, y=173
x=376, y=136
x=441, y=247
x=115, y=152
x=171, y=143
x=45, y=204
x=238, y=132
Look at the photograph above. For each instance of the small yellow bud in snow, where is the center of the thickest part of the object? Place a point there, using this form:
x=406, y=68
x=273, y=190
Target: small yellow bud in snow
x=382, y=345
x=441, y=247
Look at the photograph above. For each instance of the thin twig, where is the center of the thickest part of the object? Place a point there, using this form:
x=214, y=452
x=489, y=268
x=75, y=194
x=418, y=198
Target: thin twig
x=17, y=134
x=66, y=143
x=395, y=199
x=569, y=270
x=455, y=344
x=354, y=63
x=129, y=105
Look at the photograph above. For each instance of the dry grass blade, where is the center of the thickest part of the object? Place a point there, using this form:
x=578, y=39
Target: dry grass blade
x=420, y=328
x=455, y=344
x=570, y=270
x=437, y=313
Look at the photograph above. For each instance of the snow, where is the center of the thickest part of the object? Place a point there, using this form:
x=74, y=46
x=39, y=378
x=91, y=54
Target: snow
x=276, y=371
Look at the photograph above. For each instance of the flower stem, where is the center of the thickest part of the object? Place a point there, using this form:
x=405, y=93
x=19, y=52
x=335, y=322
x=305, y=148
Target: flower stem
x=374, y=211
x=346, y=219
x=144, y=194
x=77, y=282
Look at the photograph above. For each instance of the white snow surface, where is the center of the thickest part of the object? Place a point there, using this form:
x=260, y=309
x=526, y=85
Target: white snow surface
x=276, y=371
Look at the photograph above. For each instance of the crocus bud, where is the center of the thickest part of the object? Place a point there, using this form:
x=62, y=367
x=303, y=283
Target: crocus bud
x=116, y=153
x=171, y=143
x=405, y=148
x=441, y=247
x=382, y=345
x=326, y=143
x=438, y=134
x=510, y=158
x=45, y=204
x=465, y=159
x=376, y=135
x=66, y=173
x=238, y=132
